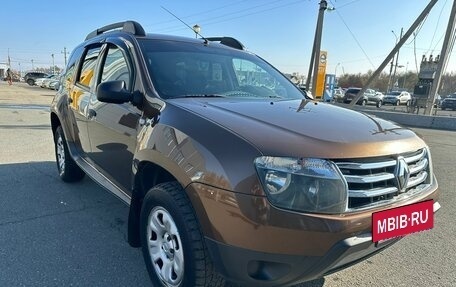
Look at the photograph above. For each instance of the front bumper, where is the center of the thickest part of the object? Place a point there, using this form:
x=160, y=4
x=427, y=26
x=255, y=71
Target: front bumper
x=257, y=268
x=254, y=243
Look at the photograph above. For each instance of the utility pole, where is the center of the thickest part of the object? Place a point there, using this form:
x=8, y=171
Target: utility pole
x=391, y=66
x=64, y=52
x=444, y=56
x=316, y=48
x=397, y=60
x=390, y=74
x=382, y=66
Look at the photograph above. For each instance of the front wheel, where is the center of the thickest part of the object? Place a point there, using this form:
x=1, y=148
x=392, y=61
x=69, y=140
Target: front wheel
x=69, y=171
x=172, y=244
x=398, y=103
x=379, y=104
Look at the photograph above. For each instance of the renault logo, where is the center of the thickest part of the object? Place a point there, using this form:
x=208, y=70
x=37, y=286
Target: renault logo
x=402, y=174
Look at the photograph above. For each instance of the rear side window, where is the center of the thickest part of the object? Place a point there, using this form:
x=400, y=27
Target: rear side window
x=86, y=76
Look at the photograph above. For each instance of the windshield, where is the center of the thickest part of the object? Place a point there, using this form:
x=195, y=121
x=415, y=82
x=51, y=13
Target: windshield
x=180, y=69
x=393, y=94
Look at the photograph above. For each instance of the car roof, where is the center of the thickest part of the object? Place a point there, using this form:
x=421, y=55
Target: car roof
x=134, y=29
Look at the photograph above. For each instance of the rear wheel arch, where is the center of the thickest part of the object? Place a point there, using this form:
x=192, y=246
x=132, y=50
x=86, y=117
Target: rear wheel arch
x=55, y=122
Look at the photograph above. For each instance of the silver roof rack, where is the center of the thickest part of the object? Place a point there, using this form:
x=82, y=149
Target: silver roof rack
x=127, y=26
x=227, y=41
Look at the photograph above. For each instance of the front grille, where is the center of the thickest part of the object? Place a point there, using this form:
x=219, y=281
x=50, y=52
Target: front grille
x=382, y=180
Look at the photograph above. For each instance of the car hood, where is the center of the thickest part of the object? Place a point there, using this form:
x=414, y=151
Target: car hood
x=305, y=128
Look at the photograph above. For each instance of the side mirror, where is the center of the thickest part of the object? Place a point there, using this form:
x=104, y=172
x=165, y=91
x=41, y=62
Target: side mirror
x=113, y=92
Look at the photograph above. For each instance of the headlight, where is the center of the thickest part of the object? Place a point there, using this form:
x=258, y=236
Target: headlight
x=305, y=185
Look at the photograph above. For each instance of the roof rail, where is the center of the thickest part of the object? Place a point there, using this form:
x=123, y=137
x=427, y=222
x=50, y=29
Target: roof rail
x=127, y=26
x=227, y=41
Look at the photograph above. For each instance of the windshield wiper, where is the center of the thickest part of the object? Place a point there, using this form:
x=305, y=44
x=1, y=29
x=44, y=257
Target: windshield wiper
x=203, y=96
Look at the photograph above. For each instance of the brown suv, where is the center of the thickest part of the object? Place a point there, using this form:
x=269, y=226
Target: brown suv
x=230, y=172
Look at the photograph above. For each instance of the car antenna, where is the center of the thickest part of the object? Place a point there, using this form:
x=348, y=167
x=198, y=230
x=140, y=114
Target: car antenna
x=206, y=41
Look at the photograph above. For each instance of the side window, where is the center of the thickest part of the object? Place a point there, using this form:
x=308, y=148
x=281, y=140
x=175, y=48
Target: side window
x=86, y=76
x=115, y=67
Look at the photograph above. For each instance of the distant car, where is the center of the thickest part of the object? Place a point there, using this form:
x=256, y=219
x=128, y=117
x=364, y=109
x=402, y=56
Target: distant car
x=54, y=84
x=351, y=93
x=338, y=95
x=449, y=102
x=397, y=98
x=374, y=97
x=48, y=80
x=31, y=77
x=40, y=81
x=14, y=78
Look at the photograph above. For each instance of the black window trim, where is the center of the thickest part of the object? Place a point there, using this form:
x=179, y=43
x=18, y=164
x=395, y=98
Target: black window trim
x=102, y=60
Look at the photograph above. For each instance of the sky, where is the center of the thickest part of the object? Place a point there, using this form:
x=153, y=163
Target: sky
x=357, y=35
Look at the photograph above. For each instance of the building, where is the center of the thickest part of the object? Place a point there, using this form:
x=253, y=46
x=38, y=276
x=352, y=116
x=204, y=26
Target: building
x=3, y=68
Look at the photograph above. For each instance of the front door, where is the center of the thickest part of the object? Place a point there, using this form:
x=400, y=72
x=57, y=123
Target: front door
x=112, y=127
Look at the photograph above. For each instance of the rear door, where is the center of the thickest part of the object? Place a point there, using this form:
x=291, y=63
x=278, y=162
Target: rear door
x=112, y=127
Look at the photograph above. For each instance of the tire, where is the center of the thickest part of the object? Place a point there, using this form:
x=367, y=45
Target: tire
x=443, y=109
x=69, y=171
x=398, y=103
x=408, y=103
x=31, y=82
x=379, y=104
x=170, y=237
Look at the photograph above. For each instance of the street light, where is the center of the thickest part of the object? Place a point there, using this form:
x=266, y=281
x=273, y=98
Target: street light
x=335, y=70
x=196, y=29
x=394, y=33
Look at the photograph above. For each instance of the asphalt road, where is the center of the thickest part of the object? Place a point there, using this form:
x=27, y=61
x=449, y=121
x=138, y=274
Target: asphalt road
x=57, y=234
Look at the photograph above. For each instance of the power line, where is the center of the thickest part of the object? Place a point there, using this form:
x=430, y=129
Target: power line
x=346, y=4
x=418, y=29
x=436, y=26
x=353, y=35
x=216, y=19
x=199, y=13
